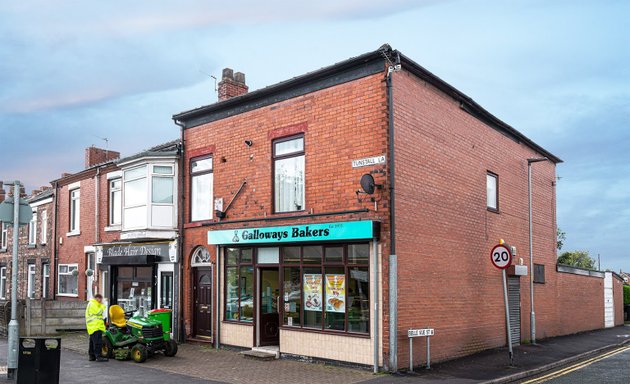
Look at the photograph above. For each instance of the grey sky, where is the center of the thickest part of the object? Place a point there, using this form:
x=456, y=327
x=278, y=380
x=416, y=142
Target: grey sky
x=74, y=71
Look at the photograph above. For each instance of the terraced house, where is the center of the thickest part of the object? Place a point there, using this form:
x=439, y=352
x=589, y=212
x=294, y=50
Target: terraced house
x=326, y=215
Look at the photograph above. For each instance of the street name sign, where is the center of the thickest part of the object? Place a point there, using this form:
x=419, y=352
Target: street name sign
x=421, y=332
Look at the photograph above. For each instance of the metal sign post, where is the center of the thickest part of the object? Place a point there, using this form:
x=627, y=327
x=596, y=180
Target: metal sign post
x=425, y=332
x=22, y=214
x=501, y=257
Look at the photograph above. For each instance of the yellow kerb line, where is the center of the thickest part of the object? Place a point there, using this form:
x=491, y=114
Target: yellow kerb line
x=575, y=367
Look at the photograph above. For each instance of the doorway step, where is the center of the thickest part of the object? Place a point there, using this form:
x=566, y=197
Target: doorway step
x=263, y=353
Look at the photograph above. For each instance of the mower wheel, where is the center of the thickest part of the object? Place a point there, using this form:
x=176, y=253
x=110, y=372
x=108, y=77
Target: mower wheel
x=139, y=353
x=107, y=349
x=171, y=348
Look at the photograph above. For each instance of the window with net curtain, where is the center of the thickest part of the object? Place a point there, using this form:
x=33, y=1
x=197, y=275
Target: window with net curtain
x=288, y=158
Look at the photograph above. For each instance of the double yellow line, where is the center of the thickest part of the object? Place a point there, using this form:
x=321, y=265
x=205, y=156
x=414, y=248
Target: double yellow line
x=577, y=366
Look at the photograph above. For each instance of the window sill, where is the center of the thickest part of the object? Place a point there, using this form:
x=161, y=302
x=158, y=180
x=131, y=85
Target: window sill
x=42, y=244
x=325, y=332
x=493, y=210
x=235, y=322
x=3, y=250
x=74, y=233
x=113, y=228
x=67, y=295
x=31, y=246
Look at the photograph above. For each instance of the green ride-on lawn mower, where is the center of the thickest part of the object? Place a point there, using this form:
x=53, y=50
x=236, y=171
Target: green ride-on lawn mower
x=139, y=337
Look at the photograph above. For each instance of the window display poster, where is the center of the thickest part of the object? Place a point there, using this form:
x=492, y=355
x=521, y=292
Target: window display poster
x=312, y=292
x=336, y=293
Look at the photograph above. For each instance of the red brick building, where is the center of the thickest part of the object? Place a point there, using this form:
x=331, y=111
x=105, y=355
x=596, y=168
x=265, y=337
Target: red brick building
x=318, y=208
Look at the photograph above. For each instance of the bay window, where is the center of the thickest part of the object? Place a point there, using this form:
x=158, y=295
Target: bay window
x=288, y=168
x=201, y=185
x=135, y=197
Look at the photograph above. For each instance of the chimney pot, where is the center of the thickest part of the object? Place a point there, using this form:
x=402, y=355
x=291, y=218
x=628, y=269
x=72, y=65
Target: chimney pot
x=232, y=84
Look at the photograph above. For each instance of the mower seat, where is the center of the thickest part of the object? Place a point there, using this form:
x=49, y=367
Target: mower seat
x=117, y=316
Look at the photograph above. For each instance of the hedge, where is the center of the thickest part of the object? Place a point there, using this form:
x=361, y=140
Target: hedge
x=626, y=294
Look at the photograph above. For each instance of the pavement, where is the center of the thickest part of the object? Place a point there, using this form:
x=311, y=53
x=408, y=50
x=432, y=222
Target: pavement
x=202, y=364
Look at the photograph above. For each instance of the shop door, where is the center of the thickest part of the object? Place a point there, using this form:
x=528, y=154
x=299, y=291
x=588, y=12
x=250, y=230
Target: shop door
x=514, y=301
x=203, y=302
x=269, y=293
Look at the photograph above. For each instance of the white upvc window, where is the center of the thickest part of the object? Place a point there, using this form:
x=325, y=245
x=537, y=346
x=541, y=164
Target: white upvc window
x=75, y=210
x=68, y=281
x=135, y=198
x=115, y=202
x=3, y=282
x=31, y=281
x=45, y=279
x=4, y=236
x=162, y=196
x=288, y=162
x=32, y=229
x=201, y=189
x=492, y=191
x=43, y=238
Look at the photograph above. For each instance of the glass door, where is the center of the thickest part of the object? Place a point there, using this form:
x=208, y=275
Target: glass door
x=269, y=294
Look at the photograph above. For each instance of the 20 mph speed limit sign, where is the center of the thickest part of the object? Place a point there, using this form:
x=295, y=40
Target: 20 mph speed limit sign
x=501, y=256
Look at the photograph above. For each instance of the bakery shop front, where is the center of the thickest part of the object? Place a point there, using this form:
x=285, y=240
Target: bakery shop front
x=302, y=290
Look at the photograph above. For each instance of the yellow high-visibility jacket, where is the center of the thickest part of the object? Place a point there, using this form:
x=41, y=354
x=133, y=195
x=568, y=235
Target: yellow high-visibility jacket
x=94, y=316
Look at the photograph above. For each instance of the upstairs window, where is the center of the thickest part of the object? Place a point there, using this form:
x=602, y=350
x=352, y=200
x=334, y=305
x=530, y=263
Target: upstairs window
x=32, y=230
x=288, y=168
x=44, y=227
x=115, y=202
x=75, y=209
x=135, y=197
x=492, y=191
x=539, y=273
x=4, y=236
x=201, y=189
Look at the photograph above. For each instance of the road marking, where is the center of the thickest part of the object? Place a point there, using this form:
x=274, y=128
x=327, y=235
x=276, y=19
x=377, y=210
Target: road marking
x=575, y=367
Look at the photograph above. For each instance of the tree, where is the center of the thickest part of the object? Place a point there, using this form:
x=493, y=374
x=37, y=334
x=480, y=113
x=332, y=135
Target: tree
x=578, y=259
x=561, y=236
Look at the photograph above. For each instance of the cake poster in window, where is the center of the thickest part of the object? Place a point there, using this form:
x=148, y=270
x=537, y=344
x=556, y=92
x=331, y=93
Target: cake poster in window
x=336, y=293
x=312, y=292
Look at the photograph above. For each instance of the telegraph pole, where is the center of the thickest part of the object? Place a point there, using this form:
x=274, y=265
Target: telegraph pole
x=14, y=326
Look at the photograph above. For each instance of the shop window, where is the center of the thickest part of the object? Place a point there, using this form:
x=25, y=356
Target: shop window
x=4, y=236
x=492, y=191
x=239, y=285
x=201, y=185
x=30, y=282
x=539, y=273
x=326, y=288
x=268, y=255
x=166, y=290
x=44, y=228
x=32, y=230
x=3, y=282
x=68, y=280
x=75, y=210
x=45, y=279
x=115, y=202
x=134, y=288
x=288, y=159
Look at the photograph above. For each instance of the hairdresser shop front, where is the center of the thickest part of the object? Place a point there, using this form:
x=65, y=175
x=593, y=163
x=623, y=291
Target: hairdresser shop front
x=302, y=290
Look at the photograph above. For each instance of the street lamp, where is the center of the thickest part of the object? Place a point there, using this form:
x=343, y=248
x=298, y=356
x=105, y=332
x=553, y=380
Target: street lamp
x=532, y=314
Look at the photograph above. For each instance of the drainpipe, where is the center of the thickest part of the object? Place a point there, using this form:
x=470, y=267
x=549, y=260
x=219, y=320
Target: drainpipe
x=375, y=294
x=393, y=260
x=55, y=250
x=218, y=295
x=96, y=205
x=179, y=270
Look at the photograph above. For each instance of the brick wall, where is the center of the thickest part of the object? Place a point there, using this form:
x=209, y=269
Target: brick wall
x=340, y=124
x=445, y=232
x=618, y=299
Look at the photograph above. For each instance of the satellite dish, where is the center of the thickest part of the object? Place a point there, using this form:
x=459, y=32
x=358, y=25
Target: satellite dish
x=367, y=184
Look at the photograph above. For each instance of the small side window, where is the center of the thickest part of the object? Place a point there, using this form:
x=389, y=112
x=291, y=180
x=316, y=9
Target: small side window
x=539, y=273
x=492, y=191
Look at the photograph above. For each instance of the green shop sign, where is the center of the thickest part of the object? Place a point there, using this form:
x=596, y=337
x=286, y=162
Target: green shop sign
x=346, y=230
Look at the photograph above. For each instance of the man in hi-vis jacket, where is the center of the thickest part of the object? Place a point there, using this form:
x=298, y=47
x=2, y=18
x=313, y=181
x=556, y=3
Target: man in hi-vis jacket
x=95, y=326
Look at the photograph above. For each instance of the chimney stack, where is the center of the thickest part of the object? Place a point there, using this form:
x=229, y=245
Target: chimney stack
x=94, y=156
x=2, y=192
x=232, y=84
